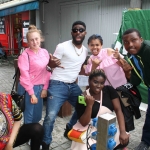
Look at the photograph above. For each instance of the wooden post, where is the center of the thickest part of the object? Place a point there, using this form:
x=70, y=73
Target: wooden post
x=104, y=122
x=65, y=109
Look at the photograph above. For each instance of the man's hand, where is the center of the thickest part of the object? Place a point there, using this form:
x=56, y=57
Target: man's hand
x=44, y=93
x=54, y=62
x=126, y=67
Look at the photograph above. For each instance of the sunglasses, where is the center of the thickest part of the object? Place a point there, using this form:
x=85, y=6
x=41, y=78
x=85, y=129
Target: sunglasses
x=81, y=30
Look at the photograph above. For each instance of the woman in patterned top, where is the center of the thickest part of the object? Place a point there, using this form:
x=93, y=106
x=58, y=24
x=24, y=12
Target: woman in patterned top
x=23, y=134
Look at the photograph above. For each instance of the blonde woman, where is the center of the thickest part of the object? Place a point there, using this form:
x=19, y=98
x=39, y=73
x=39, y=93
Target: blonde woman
x=34, y=77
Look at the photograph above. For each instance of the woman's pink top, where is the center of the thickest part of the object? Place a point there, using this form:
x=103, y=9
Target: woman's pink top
x=33, y=69
x=113, y=71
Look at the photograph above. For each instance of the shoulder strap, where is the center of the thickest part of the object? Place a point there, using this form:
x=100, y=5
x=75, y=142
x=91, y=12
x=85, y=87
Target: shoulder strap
x=101, y=97
x=16, y=73
x=135, y=70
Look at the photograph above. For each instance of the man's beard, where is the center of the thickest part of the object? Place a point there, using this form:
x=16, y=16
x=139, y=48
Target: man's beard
x=78, y=42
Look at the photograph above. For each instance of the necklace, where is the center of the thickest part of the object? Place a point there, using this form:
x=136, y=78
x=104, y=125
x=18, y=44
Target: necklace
x=76, y=50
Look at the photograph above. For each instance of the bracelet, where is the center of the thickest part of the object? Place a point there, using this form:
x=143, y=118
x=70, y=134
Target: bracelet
x=48, y=68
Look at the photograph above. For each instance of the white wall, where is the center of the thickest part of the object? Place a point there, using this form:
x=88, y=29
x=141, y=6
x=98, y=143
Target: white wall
x=101, y=17
x=145, y=4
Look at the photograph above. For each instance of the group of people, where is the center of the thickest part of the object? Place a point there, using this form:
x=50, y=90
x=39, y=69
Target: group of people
x=54, y=76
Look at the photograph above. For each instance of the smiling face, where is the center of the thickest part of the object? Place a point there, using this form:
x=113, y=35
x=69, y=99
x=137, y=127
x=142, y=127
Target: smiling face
x=34, y=40
x=96, y=84
x=95, y=46
x=132, y=42
x=78, y=34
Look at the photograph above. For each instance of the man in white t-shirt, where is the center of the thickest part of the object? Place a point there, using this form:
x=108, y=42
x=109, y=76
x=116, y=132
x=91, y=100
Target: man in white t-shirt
x=62, y=87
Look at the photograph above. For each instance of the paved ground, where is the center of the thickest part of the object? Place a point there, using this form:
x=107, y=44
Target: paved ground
x=59, y=142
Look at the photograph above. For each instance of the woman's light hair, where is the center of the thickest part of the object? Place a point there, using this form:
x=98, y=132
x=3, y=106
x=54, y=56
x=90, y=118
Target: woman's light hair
x=33, y=28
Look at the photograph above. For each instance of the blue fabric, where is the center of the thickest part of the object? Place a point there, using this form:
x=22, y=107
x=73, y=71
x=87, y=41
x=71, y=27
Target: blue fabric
x=137, y=65
x=58, y=93
x=20, y=8
x=146, y=127
x=33, y=112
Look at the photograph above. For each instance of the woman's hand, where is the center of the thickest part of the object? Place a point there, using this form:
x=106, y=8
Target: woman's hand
x=124, y=138
x=34, y=99
x=89, y=100
x=86, y=116
x=116, y=54
x=96, y=62
x=44, y=93
x=9, y=146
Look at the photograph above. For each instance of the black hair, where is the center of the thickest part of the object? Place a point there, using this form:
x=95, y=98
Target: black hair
x=97, y=72
x=95, y=36
x=78, y=23
x=131, y=31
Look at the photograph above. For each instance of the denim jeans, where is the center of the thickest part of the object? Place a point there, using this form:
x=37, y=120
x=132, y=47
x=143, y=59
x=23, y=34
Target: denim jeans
x=58, y=93
x=146, y=127
x=33, y=112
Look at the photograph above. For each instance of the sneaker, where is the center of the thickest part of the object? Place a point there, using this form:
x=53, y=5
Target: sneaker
x=142, y=146
x=66, y=132
x=45, y=146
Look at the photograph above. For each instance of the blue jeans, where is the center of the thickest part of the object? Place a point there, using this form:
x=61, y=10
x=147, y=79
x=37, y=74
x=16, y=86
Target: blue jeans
x=58, y=93
x=146, y=127
x=33, y=112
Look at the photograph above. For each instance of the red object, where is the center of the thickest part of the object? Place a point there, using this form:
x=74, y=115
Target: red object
x=8, y=39
x=6, y=109
x=133, y=92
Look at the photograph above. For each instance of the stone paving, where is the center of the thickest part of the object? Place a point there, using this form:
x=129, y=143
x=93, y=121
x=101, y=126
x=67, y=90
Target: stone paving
x=59, y=142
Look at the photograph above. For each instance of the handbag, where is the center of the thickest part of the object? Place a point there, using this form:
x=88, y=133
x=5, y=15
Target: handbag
x=19, y=99
x=130, y=100
x=77, y=136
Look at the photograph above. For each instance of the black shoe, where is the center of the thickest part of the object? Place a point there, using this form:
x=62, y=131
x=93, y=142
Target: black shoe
x=45, y=146
x=66, y=132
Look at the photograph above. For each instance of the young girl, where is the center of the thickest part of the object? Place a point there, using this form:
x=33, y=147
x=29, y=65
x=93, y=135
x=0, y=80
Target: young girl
x=34, y=78
x=107, y=59
x=100, y=99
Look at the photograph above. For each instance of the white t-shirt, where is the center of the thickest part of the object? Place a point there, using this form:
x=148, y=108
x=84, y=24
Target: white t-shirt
x=69, y=59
